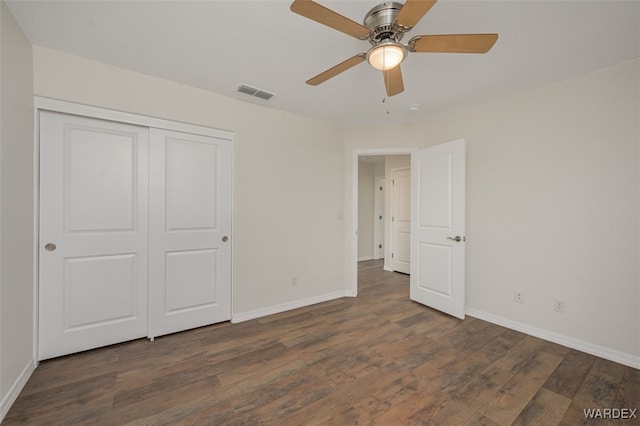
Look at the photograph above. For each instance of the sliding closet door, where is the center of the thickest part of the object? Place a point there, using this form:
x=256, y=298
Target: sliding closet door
x=93, y=233
x=189, y=231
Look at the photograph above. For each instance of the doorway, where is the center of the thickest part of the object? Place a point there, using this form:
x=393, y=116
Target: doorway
x=371, y=203
x=400, y=158
x=437, y=260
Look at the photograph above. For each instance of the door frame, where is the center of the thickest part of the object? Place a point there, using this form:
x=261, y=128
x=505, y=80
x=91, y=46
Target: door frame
x=54, y=105
x=351, y=288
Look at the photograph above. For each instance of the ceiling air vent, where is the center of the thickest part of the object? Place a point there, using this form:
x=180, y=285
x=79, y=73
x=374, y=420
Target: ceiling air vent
x=253, y=91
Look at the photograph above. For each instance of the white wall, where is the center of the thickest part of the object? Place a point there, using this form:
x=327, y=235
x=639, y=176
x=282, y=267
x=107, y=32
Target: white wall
x=366, y=183
x=288, y=176
x=552, y=206
x=392, y=162
x=16, y=220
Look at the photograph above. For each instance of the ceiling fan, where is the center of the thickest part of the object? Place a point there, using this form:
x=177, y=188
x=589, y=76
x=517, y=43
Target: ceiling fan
x=384, y=27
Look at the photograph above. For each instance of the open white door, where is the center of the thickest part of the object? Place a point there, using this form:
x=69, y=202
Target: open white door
x=438, y=227
x=401, y=220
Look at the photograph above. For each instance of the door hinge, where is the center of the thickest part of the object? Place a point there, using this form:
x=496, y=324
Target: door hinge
x=380, y=217
x=392, y=255
x=393, y=181
x=380, y=188
x=379, y=245
x=393, y=218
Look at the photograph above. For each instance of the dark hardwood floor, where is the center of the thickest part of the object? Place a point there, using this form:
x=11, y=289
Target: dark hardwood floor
x=375, y=359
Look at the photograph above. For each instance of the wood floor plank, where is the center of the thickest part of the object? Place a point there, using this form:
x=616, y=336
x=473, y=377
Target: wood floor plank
x=159, y=397
x=504, y=407
x=76, y=402
x=377, y=359
x=598, y=390
x=568, y=377
x=532, y=375
x=85, y=366
x=628, y=393
x=520, y=354
x=496, y=348
x=461, y=407
x=480, y=420
x=546, y=407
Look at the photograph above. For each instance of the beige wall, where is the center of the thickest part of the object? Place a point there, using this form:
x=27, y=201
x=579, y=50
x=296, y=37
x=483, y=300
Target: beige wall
x=366, y=183
x=552, y=206
x=288, y=175
x=16, y=219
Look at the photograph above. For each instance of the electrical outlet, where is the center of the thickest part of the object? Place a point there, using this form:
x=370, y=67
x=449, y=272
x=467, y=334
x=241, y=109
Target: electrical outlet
x=558, y=305
x=519, y=296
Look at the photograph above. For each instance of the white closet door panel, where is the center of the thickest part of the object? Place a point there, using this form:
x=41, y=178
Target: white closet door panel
x=190, y=231
x=99, y=289
x=99, y=181
x=93, y=208
x=191, y=177
x=188, y=281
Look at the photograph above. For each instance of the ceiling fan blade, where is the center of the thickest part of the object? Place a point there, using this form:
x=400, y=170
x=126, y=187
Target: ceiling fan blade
x=333, y=71
x=317, y=12
x=412, y=12
x=453, y=43
x=393, y=81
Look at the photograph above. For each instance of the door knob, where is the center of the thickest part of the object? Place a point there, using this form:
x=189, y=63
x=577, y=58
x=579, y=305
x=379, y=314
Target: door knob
x=225, y=239
x=457, y=238
x=50, y=247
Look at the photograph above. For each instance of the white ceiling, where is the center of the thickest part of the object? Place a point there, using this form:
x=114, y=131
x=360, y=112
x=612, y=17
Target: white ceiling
x=215, y=45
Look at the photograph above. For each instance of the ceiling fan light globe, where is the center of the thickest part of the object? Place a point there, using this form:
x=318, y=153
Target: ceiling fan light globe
x=386, y=55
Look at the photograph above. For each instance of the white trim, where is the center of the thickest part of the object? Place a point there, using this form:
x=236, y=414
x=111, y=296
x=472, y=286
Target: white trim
x=276, y=309
x=36, y=233
x=129, y=118
x=362, y=259
x=16, y=388
x=561, y=339
x=352, y=287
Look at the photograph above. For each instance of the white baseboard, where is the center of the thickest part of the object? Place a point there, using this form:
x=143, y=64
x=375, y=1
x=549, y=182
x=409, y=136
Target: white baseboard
x=16, y=388
x=387, y=268
x=270, y=310
x=361, y=259
x=570, y=342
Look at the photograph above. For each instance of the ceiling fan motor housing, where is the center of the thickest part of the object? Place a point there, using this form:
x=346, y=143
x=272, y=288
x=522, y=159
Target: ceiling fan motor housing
x=381, y=21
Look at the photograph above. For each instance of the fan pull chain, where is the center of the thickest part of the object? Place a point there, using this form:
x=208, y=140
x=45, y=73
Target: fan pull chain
x=387, y=83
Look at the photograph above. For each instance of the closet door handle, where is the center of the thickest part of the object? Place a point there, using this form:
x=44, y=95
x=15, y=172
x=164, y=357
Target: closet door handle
x=457, y=238
x=225, y=239
x=50, y=247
